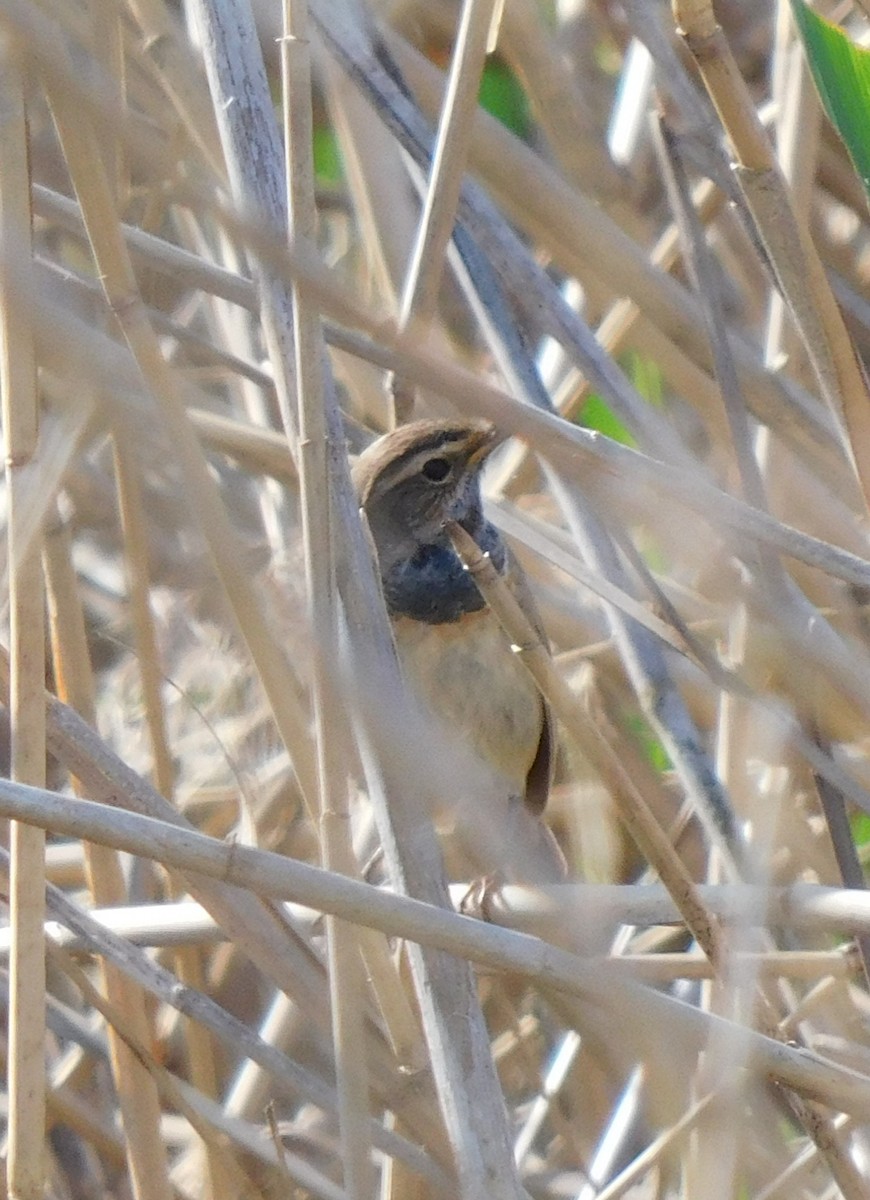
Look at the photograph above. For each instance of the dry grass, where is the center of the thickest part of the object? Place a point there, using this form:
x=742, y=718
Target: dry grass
x=224, y=715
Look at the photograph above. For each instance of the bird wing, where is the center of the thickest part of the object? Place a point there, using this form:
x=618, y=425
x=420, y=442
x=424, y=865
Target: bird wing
x=540, y=776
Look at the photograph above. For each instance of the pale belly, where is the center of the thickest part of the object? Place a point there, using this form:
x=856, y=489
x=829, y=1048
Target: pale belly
x=468, y=676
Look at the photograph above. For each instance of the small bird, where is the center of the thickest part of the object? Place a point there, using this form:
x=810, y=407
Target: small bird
x=454, y=654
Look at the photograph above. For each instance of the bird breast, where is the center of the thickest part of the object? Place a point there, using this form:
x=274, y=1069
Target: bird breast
x=465, y=672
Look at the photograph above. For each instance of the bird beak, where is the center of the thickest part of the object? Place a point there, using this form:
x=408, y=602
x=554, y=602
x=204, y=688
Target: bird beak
x=482, y=443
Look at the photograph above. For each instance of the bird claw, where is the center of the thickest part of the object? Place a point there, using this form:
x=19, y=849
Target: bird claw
x=477, y=900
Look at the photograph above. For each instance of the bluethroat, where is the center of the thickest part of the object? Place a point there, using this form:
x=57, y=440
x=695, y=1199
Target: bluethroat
x=453, y=652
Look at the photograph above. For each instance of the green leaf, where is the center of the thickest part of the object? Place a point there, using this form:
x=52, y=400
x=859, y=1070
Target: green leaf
x=646, y=376
x=860, y=823
x=502, y=95
x=596, y=414
x=327, y=156
x=653, y=750
x=841, y=71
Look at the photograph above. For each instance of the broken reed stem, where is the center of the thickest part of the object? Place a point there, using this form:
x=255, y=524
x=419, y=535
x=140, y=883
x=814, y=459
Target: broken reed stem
x=26, y=1153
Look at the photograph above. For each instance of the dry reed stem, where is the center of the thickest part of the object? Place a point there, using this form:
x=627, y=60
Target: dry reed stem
x=118, y=1020
x=618, y=328
x=661, y=1146
x=802, y=1165
x=584, y=241
x=187, y=962
x=26, y=1170
x=187, y=923
x=287, y=1076
x=559, y=103
x=137, y=1096
x=795, y=260
x=423, y=278
x=803, y=908
x=122, y=294
x=142, y=623
x=594, y=254
x=543, y=539
x=270, y=874
x=595, y=737
x=314, y=395
x=268, y=940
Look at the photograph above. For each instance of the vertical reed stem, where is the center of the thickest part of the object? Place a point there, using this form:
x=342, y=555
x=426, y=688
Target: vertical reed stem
x=26, y=1166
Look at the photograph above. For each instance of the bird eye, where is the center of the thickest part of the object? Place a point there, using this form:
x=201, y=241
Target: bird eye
x=436, y=469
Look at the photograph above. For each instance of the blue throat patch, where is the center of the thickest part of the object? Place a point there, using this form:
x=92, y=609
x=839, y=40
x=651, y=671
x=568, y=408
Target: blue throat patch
x=433, y=586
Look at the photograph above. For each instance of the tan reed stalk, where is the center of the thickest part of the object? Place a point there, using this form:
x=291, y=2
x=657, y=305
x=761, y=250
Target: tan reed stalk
x=107, y=47
x=137, y=1095
x=596, y=739
x=179, y=73
x=803, y=908
x=375, y=180
x=120, y=285
x=260, y=451
x=661, y=1146
x=118, y=1020
x=26, y=1154
x=577, y=233
x=188, y=962
x=802, y=1166
x=188, y=268
x=423, y=278
x=344, y=962
x=787, y=240
x=133, y=528
x=276, y=949
x=560, y=102
x=618, y=329
x=278, y=877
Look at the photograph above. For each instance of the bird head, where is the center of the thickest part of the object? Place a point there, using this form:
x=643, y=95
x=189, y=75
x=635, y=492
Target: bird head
x=411, y=482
